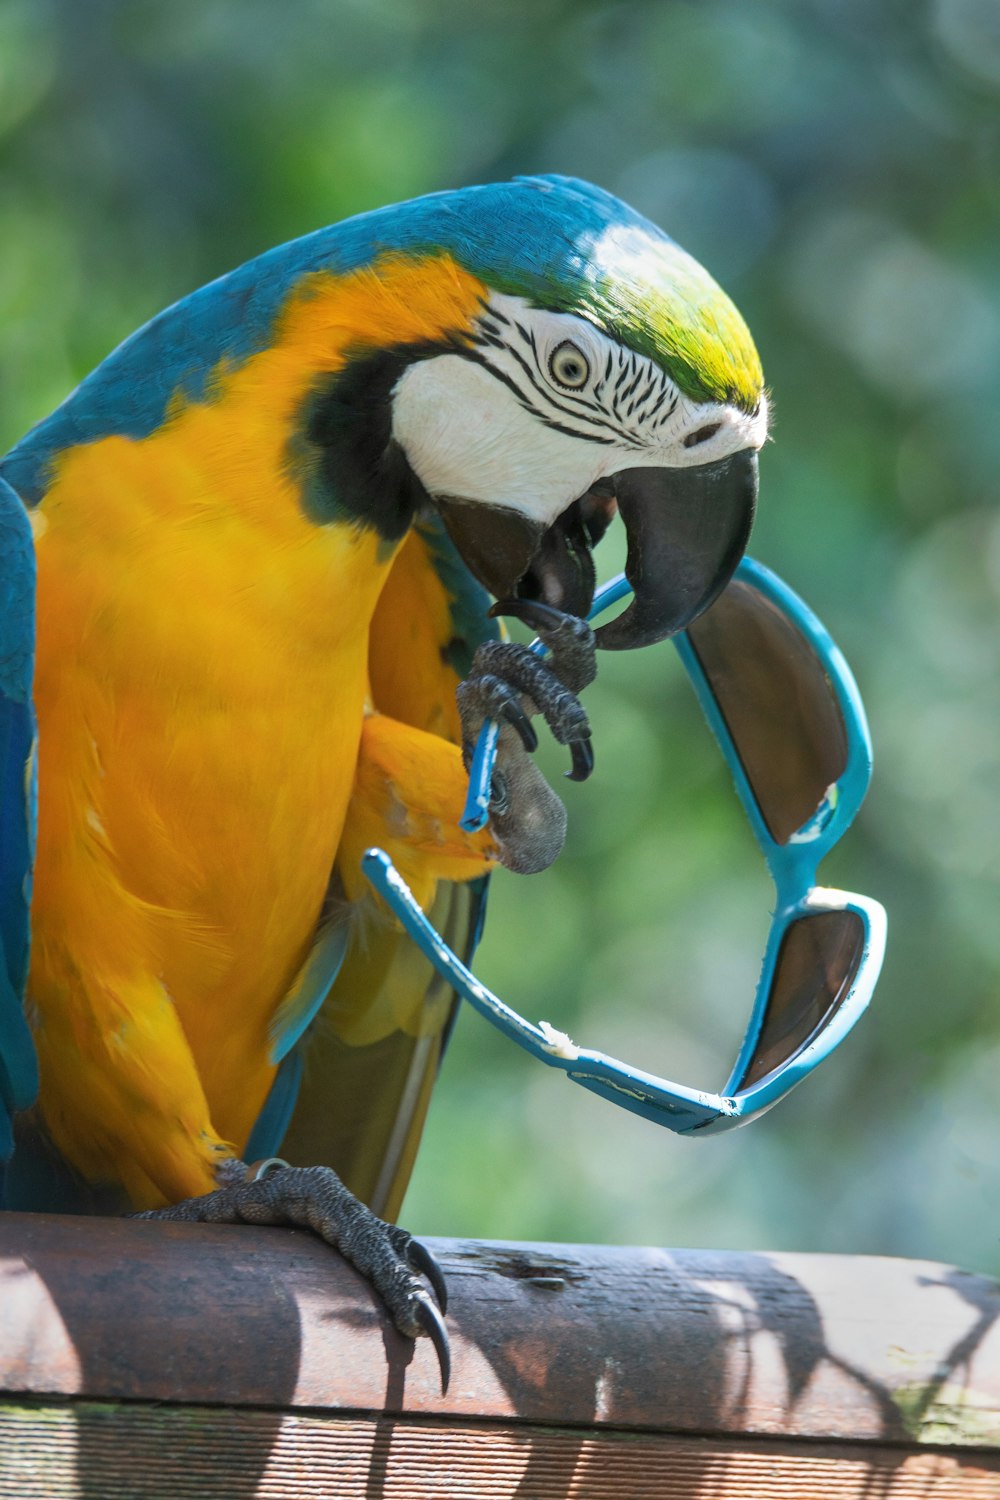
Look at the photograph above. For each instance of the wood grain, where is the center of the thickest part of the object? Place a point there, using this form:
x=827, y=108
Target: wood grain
x=144, y=1359
x=85, y=1451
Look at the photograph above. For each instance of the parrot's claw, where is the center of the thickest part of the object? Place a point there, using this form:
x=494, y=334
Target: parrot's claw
x=432, y=1324
x=491, y=697
x=315, y=1198
x=423, y=1262
x=515, y=715
x=582, y=752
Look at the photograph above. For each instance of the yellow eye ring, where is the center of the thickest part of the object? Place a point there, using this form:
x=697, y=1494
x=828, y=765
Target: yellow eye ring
x=569, y=366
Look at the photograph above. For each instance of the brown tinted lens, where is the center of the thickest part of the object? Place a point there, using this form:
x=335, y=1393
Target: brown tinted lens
x=817, y=962
x=778, y=704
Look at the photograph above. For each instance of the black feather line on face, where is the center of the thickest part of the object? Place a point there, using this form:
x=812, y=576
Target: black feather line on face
x=635, y=398
x=536, y=411
x=571, y=407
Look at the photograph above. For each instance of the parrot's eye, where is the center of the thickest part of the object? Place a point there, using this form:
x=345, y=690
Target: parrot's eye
x=569, y=366
x=702, y=435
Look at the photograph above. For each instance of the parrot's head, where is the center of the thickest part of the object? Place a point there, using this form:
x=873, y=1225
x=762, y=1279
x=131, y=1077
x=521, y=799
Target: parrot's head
x=528, y=358
x=603, y=370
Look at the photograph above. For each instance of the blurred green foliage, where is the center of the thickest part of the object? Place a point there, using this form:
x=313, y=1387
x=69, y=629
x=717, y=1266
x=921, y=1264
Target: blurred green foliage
x=836, y=163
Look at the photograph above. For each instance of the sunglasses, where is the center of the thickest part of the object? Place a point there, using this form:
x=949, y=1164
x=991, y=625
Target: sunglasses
x=786, y=712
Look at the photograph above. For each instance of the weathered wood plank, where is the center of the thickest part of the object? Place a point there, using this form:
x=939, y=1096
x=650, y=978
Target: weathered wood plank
x=82, y=1451
x=816, y=1347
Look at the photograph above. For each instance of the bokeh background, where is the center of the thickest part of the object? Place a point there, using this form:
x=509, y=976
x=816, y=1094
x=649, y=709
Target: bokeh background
x=836, y=164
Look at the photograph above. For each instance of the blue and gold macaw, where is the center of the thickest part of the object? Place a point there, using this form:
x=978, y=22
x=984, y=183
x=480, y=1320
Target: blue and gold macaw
x=265, y=531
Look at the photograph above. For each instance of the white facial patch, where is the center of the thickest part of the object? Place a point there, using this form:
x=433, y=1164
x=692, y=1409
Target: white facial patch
x=467, y=436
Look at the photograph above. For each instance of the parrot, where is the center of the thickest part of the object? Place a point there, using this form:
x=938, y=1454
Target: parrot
x=276, y=533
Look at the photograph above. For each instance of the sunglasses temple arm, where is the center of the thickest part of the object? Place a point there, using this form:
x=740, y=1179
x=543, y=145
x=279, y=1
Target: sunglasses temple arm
x=390, y=885
x=544, y=1042
x=631, y=1088
x=477, y=801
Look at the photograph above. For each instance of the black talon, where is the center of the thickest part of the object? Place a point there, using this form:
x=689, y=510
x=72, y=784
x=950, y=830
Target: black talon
x=423, y=1262
x=430, y=1320
x=582, y=752
x=532, y=612
x=515, y=715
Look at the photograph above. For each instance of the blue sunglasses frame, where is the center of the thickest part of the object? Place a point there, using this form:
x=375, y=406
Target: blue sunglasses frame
x=793, y=866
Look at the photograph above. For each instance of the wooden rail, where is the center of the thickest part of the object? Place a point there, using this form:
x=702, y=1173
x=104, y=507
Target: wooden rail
x=193, y=1362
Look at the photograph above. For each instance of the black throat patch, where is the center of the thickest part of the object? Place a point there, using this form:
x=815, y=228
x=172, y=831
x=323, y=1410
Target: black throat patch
x=343, y=456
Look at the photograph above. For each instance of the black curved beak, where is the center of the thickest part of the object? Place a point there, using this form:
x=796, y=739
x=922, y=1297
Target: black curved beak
x=687, y=530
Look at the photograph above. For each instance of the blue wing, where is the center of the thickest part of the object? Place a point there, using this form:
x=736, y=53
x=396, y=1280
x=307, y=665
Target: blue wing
x=18, y=1066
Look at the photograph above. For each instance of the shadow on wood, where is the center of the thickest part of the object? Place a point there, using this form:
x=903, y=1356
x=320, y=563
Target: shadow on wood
x=172, y=1360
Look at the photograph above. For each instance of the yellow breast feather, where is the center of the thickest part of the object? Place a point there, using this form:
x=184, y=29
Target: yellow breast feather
x=202, y=672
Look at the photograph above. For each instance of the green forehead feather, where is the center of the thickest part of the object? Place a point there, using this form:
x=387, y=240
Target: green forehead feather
x=637, y=285
x=657, y=299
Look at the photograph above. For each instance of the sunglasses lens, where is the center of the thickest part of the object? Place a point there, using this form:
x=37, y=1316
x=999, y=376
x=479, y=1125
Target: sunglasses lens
x=777, y=702
x=817, y=964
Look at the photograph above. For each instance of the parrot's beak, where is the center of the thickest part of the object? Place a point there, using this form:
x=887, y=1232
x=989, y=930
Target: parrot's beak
x=687, y=530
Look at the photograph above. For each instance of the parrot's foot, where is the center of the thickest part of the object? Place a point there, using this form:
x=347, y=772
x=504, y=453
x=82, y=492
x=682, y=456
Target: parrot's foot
x=510, y=683
x=315, y=1198
x=570, y=640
